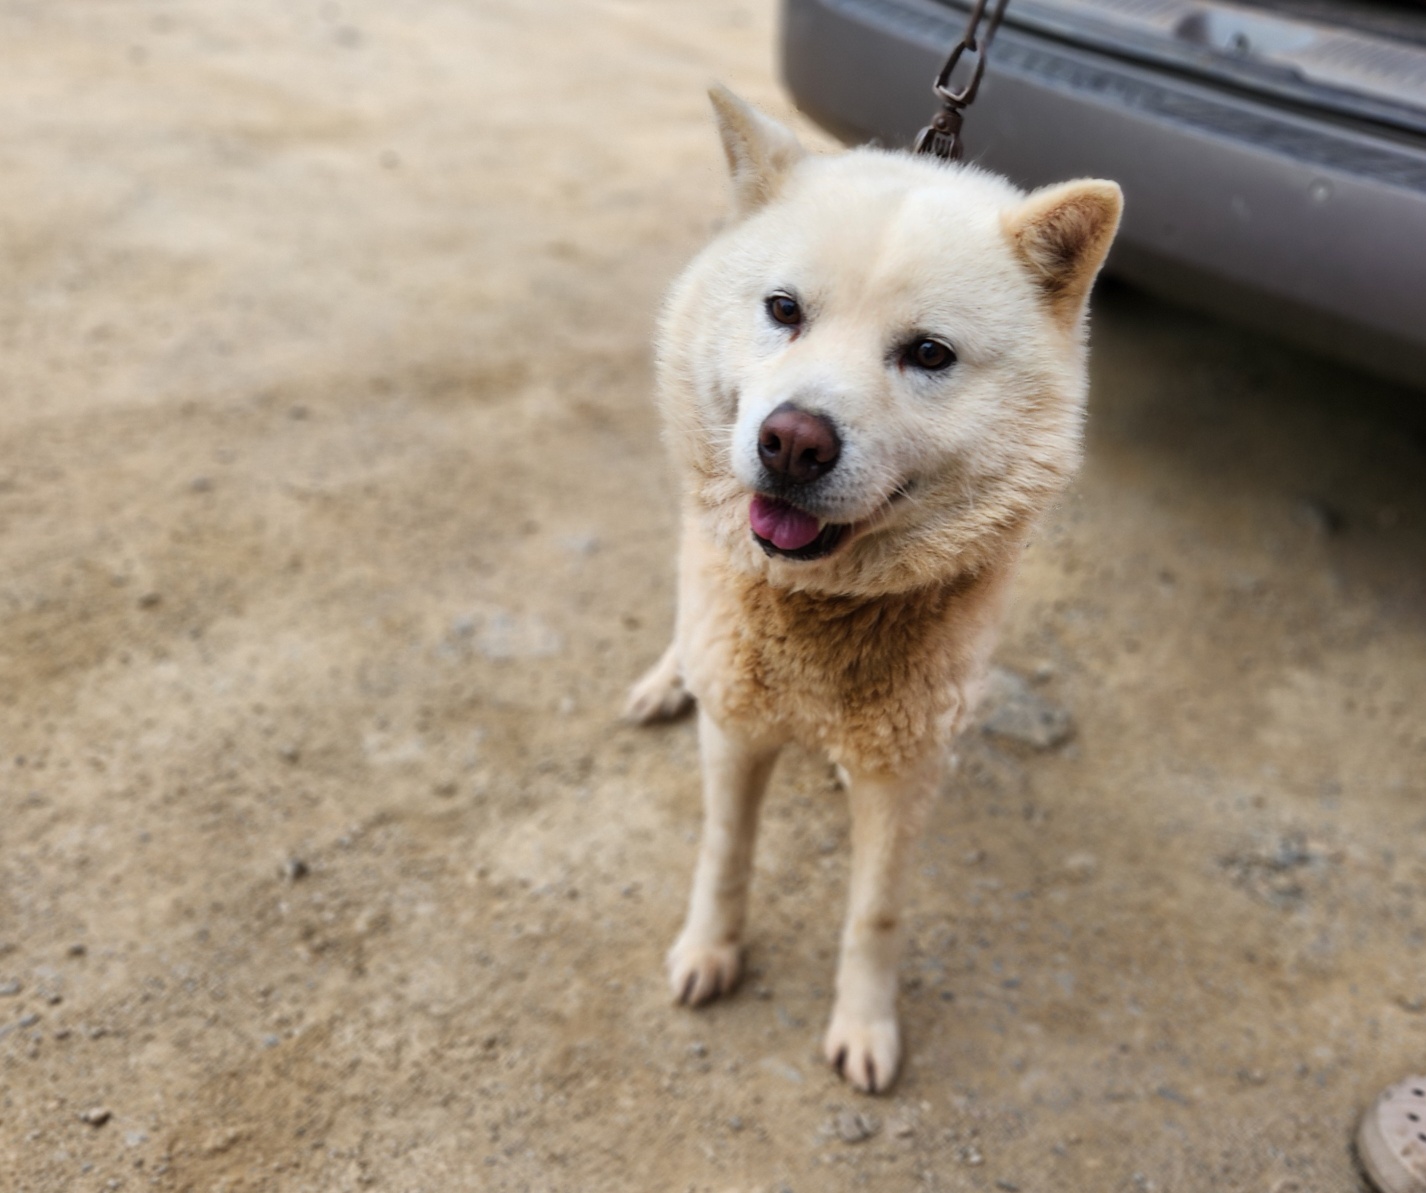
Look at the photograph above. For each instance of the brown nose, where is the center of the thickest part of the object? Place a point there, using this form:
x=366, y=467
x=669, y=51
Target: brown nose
x=798, y=445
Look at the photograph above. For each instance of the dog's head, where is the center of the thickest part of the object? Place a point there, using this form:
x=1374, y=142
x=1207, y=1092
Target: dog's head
x=875, y=376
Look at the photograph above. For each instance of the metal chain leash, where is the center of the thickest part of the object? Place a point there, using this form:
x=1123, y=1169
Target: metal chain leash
x=942, y=137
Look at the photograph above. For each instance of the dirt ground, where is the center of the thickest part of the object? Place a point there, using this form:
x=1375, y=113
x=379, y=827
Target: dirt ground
x=335, y=524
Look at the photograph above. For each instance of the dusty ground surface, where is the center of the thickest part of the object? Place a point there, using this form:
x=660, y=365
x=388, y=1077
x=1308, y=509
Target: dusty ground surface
x=334, y=526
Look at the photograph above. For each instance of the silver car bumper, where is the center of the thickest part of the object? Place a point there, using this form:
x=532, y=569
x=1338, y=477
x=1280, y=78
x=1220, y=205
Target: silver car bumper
x=1260, y=211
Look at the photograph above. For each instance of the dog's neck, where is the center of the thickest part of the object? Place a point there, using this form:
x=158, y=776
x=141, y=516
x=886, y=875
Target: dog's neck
x=876, y=680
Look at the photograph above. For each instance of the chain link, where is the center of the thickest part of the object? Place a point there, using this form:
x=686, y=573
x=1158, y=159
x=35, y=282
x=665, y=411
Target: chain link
x=942, y=137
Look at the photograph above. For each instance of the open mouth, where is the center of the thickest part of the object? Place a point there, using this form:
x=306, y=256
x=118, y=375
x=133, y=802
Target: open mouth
x=782, y=529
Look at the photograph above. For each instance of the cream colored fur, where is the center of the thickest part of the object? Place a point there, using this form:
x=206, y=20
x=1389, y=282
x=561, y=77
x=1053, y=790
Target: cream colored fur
x=874, y=654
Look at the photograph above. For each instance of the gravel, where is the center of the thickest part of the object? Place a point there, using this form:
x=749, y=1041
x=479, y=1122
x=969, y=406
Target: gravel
x=851, y=1126
x=1015, y=711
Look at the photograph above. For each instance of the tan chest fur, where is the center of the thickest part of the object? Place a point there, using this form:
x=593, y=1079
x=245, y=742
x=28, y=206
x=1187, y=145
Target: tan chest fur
x=875, y=682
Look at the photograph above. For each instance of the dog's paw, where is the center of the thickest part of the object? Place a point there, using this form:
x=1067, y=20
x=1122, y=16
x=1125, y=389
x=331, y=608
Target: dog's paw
x=699, y=973
x=659, y=695
x=865, y=1053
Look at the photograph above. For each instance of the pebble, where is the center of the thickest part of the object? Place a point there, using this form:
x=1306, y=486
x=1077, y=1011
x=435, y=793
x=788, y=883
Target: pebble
x=10, y=988
x=1017, y=712
x=1414, y=1004
x=295, y=869
x=290, y=753
x=580, y=544
x=96, y=1116
x=852, y=1126
x=150, y=600
x=1320, y=516
x=735, y=1123
x=780, y=1068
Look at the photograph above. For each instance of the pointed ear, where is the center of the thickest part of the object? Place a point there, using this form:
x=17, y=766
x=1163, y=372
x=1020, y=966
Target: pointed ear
x=1062, y=234
x=760, y=150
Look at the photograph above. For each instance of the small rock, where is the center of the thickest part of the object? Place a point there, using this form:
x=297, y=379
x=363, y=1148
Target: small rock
x=1008, y=1186
x=1081, y=867
x=852, y=1126
x=1320, y=516
x=96, y=1116
x=77, y=949
x=698, y=1048
x=290, y=752
x=970, y=1155
x=1413, y=1004
x=1022, y=715
x=135, y=1138
x=580, y=544
x=11, y=988
x=295, y=869
x=735, y=1123
x=150, y=600
x=29, y=1020
x=780, y=1068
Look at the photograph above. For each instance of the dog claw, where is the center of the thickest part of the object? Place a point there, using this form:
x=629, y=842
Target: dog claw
x=699, y=974
x=865, y=1054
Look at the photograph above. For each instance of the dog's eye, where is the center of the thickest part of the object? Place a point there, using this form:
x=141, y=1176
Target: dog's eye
x=782, y=308
x=930, y=355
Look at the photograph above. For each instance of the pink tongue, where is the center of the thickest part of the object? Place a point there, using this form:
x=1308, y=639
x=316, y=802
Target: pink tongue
x=784, y=526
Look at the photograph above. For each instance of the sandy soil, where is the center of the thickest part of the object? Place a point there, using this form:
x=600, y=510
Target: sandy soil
x=334, y=526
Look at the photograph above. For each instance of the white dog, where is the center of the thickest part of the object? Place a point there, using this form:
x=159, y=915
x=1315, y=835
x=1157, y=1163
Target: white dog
x=872, y=382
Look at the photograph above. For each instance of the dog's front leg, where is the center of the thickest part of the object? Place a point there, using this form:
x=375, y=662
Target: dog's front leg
x=863, y=1041
x=706, y=960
